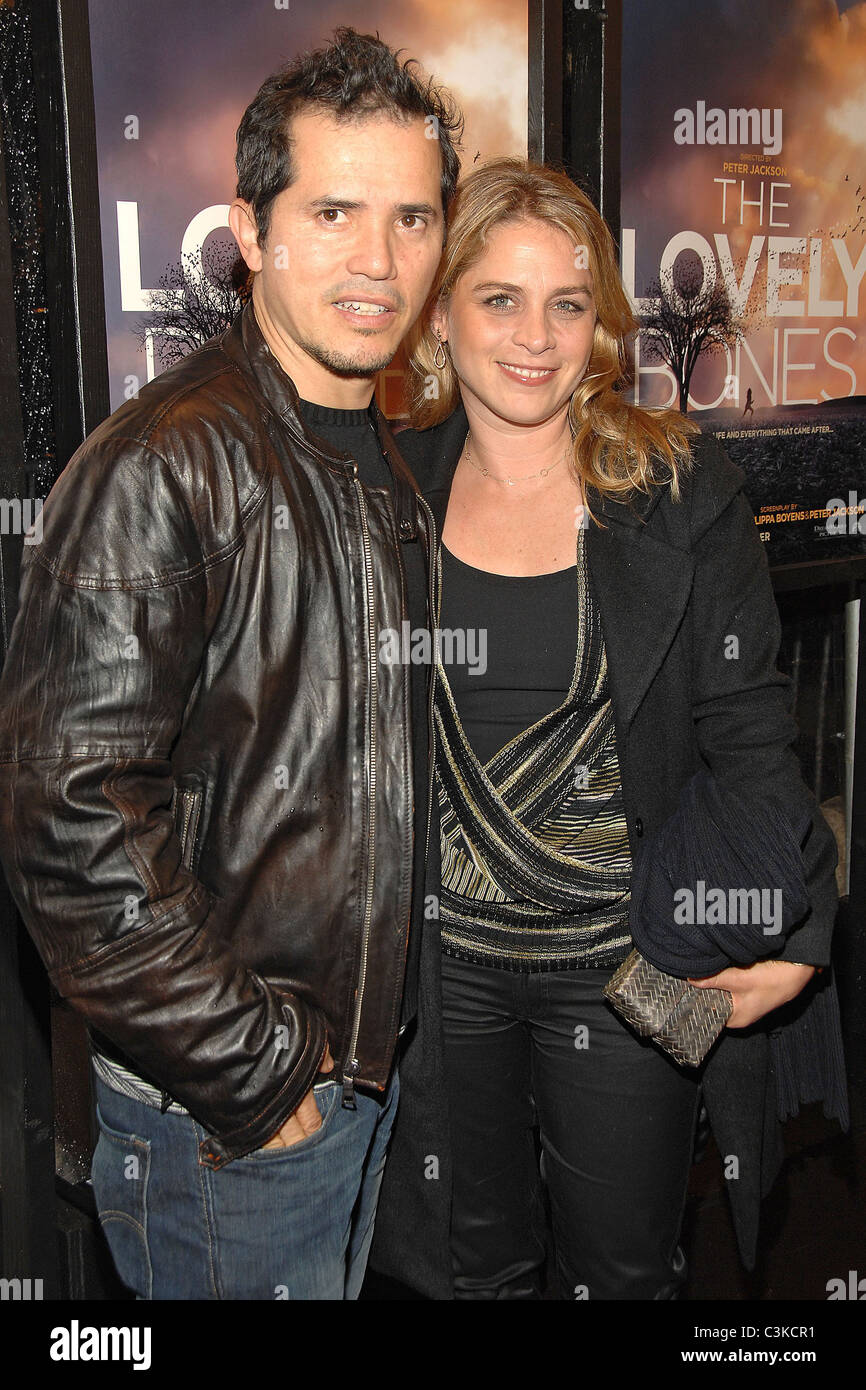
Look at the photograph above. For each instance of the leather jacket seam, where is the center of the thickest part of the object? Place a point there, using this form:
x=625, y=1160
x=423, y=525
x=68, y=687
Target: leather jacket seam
x=40, y=755
x=127, y=815
x=165, y=579
x=209, y=558
x=80, y=968
x=74, y=580
x=149, y=428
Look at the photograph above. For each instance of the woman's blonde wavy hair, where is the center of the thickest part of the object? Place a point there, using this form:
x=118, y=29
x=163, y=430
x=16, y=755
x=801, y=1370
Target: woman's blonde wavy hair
x=618, y=447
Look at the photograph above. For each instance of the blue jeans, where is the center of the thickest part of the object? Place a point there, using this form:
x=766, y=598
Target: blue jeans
x=292, y=1223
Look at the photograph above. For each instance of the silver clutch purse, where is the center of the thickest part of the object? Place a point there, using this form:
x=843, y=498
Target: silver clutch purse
x=682, y=1019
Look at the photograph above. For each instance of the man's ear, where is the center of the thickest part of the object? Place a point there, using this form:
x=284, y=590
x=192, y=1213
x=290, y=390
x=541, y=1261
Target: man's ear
x=243, y=224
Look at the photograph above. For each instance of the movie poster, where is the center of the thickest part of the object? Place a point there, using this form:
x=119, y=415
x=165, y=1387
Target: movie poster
x=171, y=79
x=744, y=246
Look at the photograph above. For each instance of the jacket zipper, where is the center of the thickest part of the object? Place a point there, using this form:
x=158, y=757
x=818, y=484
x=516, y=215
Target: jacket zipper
x=192, y=807
x=352, y=1066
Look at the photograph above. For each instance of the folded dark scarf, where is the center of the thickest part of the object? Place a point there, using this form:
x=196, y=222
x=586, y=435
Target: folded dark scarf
x=722, y=883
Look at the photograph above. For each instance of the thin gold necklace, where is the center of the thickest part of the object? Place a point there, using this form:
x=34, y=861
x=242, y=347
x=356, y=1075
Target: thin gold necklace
x=509, y=482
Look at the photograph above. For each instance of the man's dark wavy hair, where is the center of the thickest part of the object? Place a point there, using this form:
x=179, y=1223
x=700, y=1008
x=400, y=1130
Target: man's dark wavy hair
x=355, y=76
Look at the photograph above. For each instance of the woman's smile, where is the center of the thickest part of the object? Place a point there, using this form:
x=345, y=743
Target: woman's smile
x=528, y=376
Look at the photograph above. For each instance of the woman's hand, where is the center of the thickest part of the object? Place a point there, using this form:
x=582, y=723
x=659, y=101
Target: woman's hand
x=758, y=988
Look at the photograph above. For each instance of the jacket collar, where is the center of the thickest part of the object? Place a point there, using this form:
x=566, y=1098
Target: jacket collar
x=244, y=343
x=641, y=579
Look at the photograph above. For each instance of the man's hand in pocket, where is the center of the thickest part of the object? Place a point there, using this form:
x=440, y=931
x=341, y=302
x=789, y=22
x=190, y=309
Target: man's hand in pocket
x=305, y=1120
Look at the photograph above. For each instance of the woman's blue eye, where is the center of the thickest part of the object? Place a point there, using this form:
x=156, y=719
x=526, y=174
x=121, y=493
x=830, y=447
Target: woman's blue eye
x=501, y=301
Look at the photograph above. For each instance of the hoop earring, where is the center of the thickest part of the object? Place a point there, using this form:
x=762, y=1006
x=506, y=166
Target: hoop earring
x=440, y=347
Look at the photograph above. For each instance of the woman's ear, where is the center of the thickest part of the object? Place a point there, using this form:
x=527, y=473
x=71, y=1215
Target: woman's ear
x=439, y=320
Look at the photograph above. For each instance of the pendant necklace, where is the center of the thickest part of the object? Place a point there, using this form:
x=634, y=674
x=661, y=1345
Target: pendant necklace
x=509, y=482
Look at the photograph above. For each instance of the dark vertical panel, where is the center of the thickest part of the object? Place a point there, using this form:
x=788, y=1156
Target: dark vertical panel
x=592, y=43
x=611, y=108
x=31, y=467
x=850, y=950
x=28, y=1236
x=11, y=431
x=11, y=427
x=27, y=1230
x=544, y=143
x=582, y=96
x=73, y=259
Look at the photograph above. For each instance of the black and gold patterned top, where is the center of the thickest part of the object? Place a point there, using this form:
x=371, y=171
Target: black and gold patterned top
x=536, y=866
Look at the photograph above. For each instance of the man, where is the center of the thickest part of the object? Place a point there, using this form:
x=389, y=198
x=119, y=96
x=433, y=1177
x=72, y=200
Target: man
x=208, y=778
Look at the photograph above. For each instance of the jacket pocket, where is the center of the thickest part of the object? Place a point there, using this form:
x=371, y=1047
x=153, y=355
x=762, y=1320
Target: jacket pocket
x=186, y=805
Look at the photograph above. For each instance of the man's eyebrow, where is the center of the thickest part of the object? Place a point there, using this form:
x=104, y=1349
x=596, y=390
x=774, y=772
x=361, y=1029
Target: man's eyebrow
x=405, y=209
x=347, y=204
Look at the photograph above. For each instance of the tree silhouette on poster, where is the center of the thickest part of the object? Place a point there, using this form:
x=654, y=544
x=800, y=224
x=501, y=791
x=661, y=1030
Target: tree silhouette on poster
x=686, y=318
x=196, y=298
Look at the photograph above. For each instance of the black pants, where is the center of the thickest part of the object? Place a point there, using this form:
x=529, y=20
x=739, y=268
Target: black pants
x=616, y=1119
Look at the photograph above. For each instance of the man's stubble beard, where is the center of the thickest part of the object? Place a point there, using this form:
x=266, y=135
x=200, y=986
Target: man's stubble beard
x=341, y=364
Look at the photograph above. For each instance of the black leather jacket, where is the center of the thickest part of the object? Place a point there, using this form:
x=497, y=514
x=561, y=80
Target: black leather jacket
x=206, y=775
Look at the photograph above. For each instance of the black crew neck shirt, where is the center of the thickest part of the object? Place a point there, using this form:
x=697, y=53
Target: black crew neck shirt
x=530, y=627
x=353, y=432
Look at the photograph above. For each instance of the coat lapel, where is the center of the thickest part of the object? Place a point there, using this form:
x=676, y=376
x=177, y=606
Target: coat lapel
x=641, y=585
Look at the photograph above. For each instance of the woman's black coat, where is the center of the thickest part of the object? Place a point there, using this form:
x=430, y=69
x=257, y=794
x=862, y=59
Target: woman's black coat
x=675, y=583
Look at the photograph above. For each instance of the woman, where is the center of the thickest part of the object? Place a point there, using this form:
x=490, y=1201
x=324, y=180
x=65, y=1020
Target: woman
x=596, y=561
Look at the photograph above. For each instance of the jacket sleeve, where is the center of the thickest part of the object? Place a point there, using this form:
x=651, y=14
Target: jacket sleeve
x=741, y=701
x=108, y=643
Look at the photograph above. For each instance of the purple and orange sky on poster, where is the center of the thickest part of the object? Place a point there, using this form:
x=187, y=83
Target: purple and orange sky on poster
x=805, y=59
x=187, y=68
